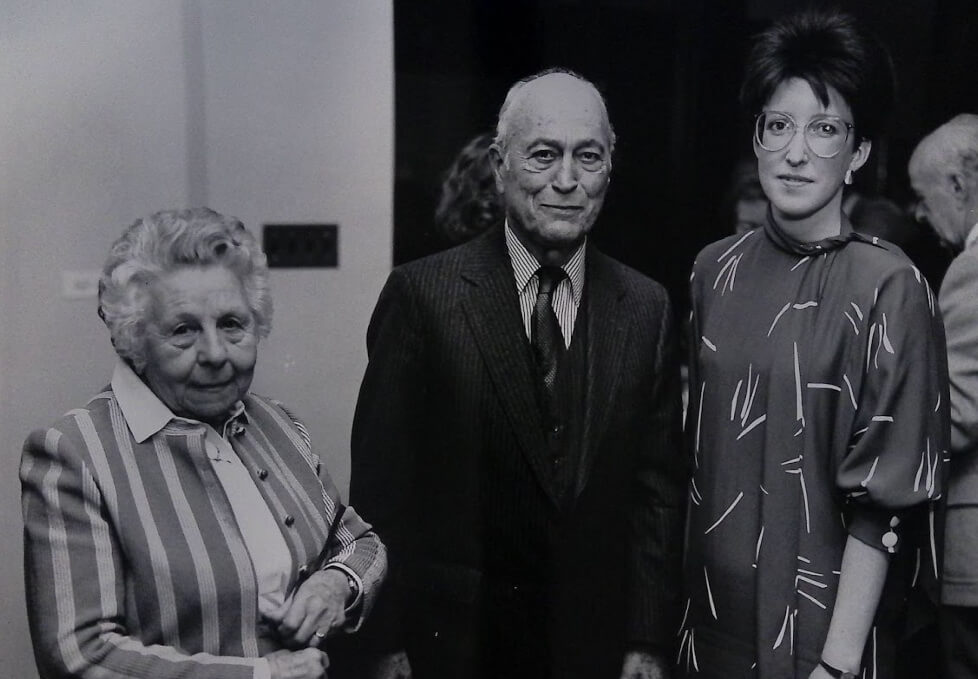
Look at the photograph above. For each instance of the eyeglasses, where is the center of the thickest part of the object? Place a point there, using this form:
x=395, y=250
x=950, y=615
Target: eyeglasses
x=826, y=136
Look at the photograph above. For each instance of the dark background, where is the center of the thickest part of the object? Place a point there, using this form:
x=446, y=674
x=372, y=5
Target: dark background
x=670, y=71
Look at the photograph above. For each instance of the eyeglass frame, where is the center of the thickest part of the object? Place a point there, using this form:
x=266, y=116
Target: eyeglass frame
x=849, y=128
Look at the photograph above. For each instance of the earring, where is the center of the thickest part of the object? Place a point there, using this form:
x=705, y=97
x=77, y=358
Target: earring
x=848, y=178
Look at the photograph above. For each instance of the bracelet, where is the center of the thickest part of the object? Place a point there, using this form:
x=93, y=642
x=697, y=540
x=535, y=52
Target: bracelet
x=835, y=672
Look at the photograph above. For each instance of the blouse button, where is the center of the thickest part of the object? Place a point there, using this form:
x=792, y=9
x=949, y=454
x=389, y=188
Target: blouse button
x=890, y=540
x=289, y=520
x=262, y=474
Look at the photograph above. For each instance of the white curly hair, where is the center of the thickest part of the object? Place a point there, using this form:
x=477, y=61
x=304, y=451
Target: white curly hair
x=165, y=242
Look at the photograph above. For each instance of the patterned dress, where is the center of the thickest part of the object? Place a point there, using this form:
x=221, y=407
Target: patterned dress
x=818, y=409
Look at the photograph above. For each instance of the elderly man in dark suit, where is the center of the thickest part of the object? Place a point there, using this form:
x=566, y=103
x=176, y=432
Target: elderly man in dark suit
x=944, y=174
x=516, y=435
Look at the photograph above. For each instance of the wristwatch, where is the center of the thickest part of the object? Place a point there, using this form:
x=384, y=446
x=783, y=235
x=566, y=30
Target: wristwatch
x=836, y=673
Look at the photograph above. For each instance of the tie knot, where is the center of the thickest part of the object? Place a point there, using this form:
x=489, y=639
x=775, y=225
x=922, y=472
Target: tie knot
x=549, y=277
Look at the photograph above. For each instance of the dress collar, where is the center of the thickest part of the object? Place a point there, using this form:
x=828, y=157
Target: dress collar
x=791, y=244
x=144, y=412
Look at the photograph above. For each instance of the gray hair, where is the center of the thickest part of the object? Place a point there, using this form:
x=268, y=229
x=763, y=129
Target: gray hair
x=503, y=123
x=960, y=139
x=165, y=242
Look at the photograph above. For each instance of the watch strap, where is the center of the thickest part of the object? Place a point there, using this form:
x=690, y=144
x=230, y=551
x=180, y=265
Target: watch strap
x=835, y=672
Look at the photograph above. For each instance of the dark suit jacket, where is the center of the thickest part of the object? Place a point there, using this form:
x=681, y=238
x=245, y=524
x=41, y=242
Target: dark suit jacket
x=491, y=575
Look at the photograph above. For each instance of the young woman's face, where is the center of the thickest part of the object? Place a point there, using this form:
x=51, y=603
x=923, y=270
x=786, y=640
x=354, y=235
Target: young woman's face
x=799, y=182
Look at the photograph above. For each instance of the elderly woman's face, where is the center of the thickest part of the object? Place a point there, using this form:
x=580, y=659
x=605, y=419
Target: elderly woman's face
x=201, y=342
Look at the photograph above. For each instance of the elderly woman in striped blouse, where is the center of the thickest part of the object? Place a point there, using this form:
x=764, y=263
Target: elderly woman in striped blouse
x=178, y=525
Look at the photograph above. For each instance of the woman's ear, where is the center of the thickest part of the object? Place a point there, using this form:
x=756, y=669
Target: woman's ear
x=860, y=155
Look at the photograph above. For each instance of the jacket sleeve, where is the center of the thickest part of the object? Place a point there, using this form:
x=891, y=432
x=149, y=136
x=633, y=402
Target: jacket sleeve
x=960, y=310
x=355, y=547
x=385, y=439
x=75, y=579
x=359, y=553
x=658, y=512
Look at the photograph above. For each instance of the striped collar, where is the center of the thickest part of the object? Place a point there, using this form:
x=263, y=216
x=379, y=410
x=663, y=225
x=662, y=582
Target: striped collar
x=525, y=265
x=145, y=413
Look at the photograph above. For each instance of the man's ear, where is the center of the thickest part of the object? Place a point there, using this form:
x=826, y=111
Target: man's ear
x=497, y=162
x=959, y=185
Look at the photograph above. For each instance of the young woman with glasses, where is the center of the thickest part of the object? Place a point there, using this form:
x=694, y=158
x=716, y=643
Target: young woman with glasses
x=818, y=396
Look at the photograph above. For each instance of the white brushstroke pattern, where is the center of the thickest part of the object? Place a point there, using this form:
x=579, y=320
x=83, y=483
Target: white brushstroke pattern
x=733, y=504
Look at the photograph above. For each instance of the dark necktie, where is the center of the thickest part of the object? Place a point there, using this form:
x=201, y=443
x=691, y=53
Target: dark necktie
x=545, y=335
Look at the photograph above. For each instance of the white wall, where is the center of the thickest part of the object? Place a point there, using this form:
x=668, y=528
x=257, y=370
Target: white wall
x=300, y=117
x=113, y=109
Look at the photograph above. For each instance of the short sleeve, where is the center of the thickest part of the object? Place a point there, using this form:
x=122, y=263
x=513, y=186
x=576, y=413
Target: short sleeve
x=901, y=430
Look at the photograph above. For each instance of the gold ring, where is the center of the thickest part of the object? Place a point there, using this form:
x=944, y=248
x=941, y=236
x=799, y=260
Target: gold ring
x=319, y=634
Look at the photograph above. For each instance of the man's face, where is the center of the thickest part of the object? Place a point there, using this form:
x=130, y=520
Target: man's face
x=937, y=204
x=554, y=168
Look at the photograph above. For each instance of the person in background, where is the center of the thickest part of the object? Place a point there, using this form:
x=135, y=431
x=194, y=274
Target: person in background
x=818, y=407
x=944, y=174
x=524, y=389
x=469, y=203
x=881, y=217
x=177, y=524
x=744, y=204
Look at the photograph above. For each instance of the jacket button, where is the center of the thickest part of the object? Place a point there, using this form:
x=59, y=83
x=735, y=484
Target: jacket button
x=289, y=520
x=262, y=474
x=303, y=569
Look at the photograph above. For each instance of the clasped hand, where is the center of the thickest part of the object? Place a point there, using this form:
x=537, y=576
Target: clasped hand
x=317, y=609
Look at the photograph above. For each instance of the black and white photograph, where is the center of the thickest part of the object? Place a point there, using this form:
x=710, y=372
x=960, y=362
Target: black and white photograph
x=489, y=339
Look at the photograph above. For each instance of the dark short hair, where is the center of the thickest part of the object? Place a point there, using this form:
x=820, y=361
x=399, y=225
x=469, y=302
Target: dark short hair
x=825, y=48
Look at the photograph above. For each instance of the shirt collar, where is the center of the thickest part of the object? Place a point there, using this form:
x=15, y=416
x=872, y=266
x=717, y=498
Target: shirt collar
x=144, y=412
x=972, y=237
x=525, y=265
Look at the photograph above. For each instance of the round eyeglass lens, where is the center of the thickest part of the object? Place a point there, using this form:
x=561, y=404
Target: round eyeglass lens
x=826, y=136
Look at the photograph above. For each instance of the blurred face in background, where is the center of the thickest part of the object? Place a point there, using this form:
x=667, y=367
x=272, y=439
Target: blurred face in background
x=750, y=214
x=553, y=168
x=940, y=192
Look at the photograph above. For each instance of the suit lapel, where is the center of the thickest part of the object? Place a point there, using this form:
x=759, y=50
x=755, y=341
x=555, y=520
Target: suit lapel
x=492, y=311
x=608, y=331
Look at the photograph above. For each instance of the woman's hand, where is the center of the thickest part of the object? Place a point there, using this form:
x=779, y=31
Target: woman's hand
x=317, y=609
x=309, y=663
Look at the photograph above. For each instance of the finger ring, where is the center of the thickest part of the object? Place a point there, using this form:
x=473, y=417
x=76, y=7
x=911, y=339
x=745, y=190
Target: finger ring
x=320, y=634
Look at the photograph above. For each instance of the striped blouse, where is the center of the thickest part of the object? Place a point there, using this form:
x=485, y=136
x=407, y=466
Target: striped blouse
x=135, y=566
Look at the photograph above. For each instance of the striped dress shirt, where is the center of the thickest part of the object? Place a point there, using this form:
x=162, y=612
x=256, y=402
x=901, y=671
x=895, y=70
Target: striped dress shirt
x=567, y=296
x=135, y=564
